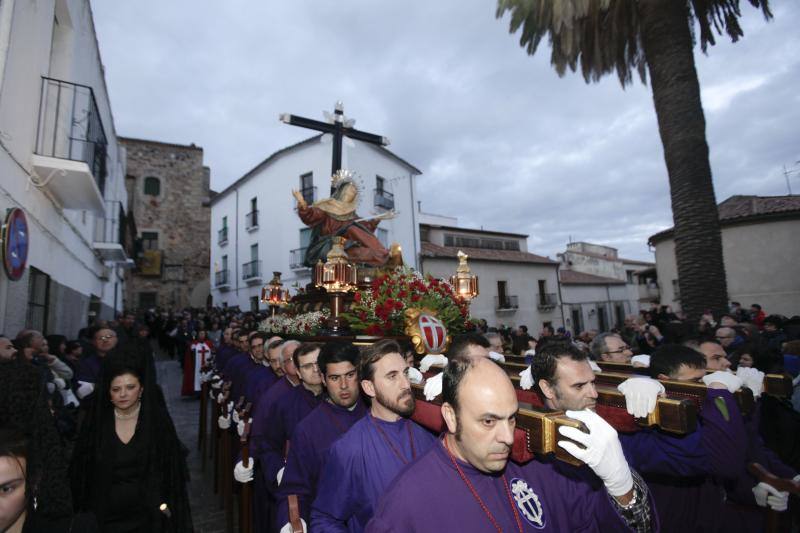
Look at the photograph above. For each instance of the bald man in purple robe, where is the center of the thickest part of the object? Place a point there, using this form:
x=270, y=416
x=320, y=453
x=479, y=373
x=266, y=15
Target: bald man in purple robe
x=465, y=482
x=363, y=462
x=315, y=434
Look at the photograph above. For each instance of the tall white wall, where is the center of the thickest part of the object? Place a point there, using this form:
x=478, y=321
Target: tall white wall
x=279, y=225
x=60, y=239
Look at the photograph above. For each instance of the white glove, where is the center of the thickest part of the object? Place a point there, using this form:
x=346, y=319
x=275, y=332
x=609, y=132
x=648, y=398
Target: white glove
x=494, y=356
x=530, y=352
x=433, y=387
x=240, y=426
x=243, y=474
x=51, y=387
x=602, y=453
x=641, y=361
x=69, y=398
x=279, y=477
x=84, y=389
x=216, y=382
x=288, y=527
x=641, y=395
x=414, y=375
x=235, y=416
x=430, y=360
x=224, y=421
x=595, y=367
x=60, y=383
x=753, y=379
x=768, y=496
x=526, y=379
x=729, y=379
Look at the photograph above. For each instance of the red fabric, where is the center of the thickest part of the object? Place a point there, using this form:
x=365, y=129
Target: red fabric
x=188, y=373
x=429, y=416
x=618, y=417
x=519, y=451
x=529, y=396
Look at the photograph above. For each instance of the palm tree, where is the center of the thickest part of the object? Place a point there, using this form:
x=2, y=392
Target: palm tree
x=655, y=36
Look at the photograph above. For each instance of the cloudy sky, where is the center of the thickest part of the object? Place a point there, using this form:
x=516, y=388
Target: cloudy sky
x=502, y=141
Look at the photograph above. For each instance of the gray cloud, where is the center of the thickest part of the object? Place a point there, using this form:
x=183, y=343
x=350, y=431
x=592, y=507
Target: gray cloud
x=503, y=142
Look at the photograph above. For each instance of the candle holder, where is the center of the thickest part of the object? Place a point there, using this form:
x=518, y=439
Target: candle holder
x=274, y=295
x=464, y=282
x=338, y=277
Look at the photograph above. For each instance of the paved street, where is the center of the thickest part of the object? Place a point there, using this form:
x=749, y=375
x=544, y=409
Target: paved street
x=206, y=512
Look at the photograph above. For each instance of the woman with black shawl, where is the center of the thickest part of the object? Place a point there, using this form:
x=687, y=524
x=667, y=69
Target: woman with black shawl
x=129, y=467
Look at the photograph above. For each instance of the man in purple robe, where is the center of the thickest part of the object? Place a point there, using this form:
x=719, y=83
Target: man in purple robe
x=261, y=465
x=88, y=374
x=466, y=483
x=225, y=350
x=260, y=376
x=363, y=462
x=231, y=368
x=315, y=434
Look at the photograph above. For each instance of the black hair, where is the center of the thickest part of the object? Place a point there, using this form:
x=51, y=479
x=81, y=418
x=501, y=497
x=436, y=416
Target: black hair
x=668, y=358
x=337, y=352
x=545, y=362
x=775, y=320
x=304, y=348
x=461, y=343
x=274, y=344
x=757, y=306
x=258, y=335
x=454, y=373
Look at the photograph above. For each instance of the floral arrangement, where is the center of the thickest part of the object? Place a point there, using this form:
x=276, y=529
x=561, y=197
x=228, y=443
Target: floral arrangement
x=379, y=309
x=308, y=324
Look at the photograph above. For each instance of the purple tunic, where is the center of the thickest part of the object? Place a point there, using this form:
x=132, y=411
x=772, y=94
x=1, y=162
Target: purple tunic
x=284, y=415
x=430, y=495
x=690, y=496
x=259, y=380
x=311, y=440
x=224, y=354
x=360, y=466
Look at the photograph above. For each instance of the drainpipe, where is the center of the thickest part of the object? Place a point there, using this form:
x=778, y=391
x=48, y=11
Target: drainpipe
x=236, y=248
x=6, y=16
x=415, y=227
x=560, y=299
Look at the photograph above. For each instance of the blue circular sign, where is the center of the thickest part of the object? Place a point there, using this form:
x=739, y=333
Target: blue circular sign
x=15, y=244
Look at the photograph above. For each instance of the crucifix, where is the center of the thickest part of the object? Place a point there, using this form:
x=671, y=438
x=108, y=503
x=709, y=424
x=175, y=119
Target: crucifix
x=339, y=127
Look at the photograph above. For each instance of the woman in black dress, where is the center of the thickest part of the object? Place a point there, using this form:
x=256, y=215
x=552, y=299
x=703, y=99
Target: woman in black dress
x=129, y=467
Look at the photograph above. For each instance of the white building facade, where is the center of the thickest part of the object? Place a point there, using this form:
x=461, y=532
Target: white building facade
x=599, y=288
x=61, y=165
x=517, y=288
x=255, y=229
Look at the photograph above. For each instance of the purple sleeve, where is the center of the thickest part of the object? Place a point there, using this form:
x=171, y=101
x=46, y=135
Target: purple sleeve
x=273, y=444
x=298, y=478
x=723, y=434
x=337, y=496
x=653, y=452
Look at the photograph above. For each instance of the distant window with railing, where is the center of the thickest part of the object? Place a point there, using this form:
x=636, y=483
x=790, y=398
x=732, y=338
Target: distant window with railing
x=487, y=243
x=152, y=186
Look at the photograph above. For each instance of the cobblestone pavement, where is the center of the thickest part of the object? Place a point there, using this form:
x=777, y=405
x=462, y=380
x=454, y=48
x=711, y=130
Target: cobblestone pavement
x=206, y=512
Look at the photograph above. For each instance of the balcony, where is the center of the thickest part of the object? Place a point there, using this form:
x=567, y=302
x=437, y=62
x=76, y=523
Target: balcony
x=251, y=220
x=384, y=199
x=506, y=303
x=222, y=279
x=297, y=258
x=109, y=234
x=70, y=153
x=222, y=236
x=648, y=292
x=251, y=271
x=546, y=301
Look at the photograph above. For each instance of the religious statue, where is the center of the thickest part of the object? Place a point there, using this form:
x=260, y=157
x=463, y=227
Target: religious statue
x=336, y=216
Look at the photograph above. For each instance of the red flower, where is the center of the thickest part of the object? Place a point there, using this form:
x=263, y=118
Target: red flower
x=415, y=297
x=402, y=294
x=398, y=305
x=357, y=297
x=374, y=329
x=389, y=303
x=362, y=316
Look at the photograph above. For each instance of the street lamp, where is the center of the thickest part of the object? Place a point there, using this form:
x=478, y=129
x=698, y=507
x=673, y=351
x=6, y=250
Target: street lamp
x=464, y=282
x=337, y=276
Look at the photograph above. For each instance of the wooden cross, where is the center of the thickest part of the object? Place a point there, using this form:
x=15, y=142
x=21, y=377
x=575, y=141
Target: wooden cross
x=339, y=127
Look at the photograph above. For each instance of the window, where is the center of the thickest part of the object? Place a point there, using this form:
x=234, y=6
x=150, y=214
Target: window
x=383, y=236
x=38, y=299
x=251, y=218
x=602, y=319
x=225, y=222
x=307, y=188
x=224, y=263
x=254, y=304
x=629, y=276
x=254, y=252
x=380, y=184
x=502, y=296
x=147, y=300
x=577, y=320
x=425, y=234
x=152, y=186
x=305, y=237
x=254, y=203
x=149, y=240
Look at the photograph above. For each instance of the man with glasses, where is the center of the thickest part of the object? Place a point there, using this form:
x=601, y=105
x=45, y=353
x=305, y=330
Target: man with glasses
x=103, y=341
x=315, y=434
x=611, y=348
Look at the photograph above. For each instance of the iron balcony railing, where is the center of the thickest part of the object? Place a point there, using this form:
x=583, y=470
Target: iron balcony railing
x=70, y=127
x=546, y=300
x=251, y=220
x=502, y=303
x=384, y=199
x=222, y=278
x=251, y=270
x=222, y=236
x=297, y=258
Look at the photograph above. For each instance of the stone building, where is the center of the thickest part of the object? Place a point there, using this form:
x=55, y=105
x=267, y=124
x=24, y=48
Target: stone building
x=168, y=192
x=760, y=250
